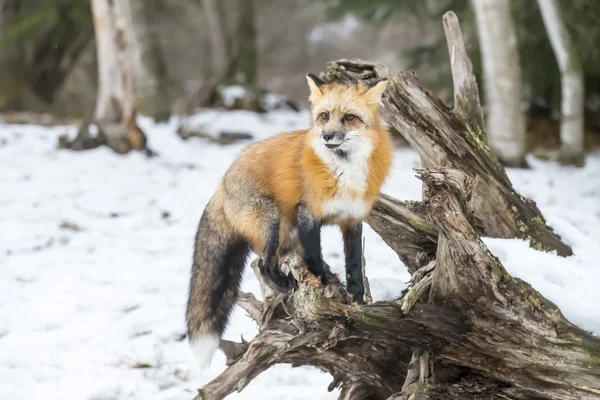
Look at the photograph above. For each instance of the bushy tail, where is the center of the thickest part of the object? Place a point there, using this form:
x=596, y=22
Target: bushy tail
x=219, y=260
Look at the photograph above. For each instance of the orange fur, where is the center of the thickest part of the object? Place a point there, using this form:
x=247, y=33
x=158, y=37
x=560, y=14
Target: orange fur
x=287, y=170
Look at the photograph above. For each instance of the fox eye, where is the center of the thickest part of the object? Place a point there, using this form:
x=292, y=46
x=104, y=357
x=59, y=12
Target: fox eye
x=325, y=116
x=349, y=117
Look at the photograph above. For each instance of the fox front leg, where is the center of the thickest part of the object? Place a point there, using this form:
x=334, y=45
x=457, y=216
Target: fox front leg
x=309, y=234
x=353, y=256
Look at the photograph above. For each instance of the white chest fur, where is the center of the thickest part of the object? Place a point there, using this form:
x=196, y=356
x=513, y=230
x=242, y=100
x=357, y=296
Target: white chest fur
x=351, y=173
x=345, y=207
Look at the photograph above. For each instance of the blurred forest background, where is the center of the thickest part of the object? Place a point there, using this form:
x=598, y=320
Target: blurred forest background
x=183, y=52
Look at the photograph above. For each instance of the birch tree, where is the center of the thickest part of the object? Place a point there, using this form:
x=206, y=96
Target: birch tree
x=502, y=80
x=115, y=113
x=572, y=88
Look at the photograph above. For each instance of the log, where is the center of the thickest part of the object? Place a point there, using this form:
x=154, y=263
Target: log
x=405, y=228
x=466, y=91
x=502, y=336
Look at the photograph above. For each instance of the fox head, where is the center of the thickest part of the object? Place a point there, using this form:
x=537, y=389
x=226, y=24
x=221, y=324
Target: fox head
x=345, y=117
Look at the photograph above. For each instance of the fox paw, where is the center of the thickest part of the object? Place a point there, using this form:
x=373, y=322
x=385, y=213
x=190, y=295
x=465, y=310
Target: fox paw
x=279, y=281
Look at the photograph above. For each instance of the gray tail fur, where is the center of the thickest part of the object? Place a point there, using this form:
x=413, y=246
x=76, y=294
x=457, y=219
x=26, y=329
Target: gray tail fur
x=219, y=260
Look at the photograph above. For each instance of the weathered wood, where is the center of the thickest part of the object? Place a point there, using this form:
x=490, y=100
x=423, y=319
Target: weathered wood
x=442, y=138
x=466, y=92
x=405, y=228
x=502, y=334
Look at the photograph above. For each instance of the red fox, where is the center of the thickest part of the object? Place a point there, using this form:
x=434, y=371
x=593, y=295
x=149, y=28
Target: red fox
x=276, y=196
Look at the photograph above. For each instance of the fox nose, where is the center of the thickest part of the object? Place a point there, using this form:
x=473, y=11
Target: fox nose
x=328, y=136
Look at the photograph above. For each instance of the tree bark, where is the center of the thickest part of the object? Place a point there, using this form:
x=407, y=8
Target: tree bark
x=502, y=79
x=150, y=68
x=466, y=92
x=115, y=113
x=572, y=108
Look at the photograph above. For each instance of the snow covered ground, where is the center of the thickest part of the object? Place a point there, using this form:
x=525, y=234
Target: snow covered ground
x=95, y=252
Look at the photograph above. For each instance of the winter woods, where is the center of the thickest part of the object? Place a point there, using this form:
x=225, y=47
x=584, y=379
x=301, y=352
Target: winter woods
x=120, y=119
x=509, y=42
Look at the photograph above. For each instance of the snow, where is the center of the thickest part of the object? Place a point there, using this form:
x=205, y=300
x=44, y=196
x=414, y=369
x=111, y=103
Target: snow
x=95, y=251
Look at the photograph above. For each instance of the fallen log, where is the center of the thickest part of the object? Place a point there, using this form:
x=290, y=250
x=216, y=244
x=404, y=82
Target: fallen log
x=477, y=325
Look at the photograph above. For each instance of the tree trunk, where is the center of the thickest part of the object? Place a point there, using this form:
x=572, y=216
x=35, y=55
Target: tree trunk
x=150, y=69
x=220, y=37
x=572, y=108
x=115, y=112
x=465, y=329
x=502, y=73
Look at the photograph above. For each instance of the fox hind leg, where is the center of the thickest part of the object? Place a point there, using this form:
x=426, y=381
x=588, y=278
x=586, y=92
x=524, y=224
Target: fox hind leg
x=258, y=219
x=269, y=264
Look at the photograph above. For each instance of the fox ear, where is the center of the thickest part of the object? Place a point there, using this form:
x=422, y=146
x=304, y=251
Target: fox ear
x=375, y=90
x=316, y=87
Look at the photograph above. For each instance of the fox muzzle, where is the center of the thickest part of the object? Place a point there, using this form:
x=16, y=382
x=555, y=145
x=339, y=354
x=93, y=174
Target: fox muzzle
x=333, y=139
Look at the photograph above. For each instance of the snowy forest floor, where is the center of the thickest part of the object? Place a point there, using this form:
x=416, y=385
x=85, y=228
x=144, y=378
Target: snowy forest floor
x=95, y=252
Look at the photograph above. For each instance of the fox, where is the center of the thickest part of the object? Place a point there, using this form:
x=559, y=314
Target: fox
x=277, y=195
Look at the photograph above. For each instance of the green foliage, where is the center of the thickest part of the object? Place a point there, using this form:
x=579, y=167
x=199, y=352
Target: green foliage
x=539, y=67
x=34, y=18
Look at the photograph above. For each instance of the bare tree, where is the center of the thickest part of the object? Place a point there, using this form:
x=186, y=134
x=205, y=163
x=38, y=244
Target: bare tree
x=115, y=110
x=502, y=79
x=572, y=107
x=150, y=69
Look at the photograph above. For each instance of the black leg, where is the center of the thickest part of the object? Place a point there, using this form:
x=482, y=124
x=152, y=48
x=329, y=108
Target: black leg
x=269, y=266
x=353, y=254
x=309, y=234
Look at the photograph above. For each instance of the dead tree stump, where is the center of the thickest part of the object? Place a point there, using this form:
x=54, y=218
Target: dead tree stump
x=465, y=327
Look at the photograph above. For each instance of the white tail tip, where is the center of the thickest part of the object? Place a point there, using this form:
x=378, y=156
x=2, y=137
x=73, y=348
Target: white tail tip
x=203, y=348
